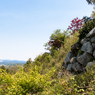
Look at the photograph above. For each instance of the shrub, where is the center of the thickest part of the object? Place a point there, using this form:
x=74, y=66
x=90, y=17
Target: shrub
x=27, y=65
x=3, y=67
x=56, y=40
x=87, y=27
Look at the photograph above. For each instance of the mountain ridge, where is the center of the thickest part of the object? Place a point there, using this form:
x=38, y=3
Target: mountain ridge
x=11, y=62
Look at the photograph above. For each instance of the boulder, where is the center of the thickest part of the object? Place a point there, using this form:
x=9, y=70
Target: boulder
x=69, y=67
x=78, y=54
x=73, y=60
x=84, y=58
x=91, y=33
x=94, y=53
x=68, y=57
x=93, y=45
x=84, y=40
x=78, y=59
x=87, y=47
x=93, y=39
x=75, y=46
x=90, y=64
x=76, y=67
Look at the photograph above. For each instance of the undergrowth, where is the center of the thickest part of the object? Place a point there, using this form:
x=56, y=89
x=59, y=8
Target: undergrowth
x=47, y=76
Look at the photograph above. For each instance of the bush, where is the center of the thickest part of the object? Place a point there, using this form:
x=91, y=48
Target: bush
x=56, y=40
x=87, y=27
x=22, y=83
x=27, y=65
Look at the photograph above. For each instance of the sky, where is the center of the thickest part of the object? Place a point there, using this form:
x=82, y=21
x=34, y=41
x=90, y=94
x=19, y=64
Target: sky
x=26, y=25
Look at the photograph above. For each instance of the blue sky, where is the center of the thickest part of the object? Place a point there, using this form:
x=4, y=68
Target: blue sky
x=25, y=25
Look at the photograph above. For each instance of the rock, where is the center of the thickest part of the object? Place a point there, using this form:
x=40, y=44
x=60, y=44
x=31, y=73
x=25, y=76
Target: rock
x=94, y=53
x=75, y=46
x=91, y=33
x=93, y=45
x=73, y=60
x=76, y=67
x=84, y=40
x=84, y=58
x=78, y=54
x=87, y=47
x=90, y=64
x=69, y=67
x=77, y=59
x=68, y=57
x=93, y=39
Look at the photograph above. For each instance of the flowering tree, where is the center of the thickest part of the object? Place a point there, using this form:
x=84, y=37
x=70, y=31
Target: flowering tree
x=76, y=24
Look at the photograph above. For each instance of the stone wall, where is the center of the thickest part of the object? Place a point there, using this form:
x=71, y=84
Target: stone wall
x=81, y=54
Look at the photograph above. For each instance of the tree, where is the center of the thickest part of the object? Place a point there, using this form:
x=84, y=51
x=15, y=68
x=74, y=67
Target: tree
x=56, y=40
x=88, y=26
x=29, y=61
x=91, y=1
x=76, y=24
x=27, y=65
x=12, y=69
x=3, y=67
x=86, y=19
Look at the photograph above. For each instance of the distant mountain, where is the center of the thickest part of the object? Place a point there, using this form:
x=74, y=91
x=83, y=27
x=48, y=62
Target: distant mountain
x=11, y=62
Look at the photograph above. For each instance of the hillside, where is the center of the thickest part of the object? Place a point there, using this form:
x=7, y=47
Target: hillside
x=47, y=74
x=62, y=35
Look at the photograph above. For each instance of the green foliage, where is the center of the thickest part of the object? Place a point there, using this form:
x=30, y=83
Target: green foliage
x=46, y=57
x=12, y=69
x=33, y=82
x=58, y=35
x=22, y=83
x=91, y=1
x=29, y=61
x=53, y=51
x=27, y=65
x=57, y=39
x=41, y=77
x=82, y=82
x=3, y=67
x=88, y=26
